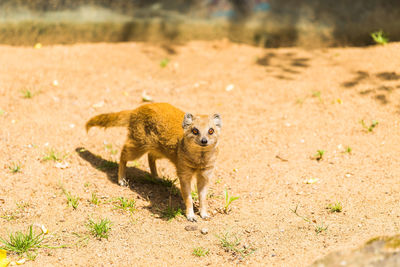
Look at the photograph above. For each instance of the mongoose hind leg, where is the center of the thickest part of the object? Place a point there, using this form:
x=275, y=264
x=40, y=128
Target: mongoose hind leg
x=152, y=164
x=129, y=152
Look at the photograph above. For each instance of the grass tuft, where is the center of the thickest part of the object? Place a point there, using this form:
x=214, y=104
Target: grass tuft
x=164, y=62
x=200, y=252
x=125, y=204
x=94, y=200
x=371, y=127
x=100, y=229
x=20, y=242
x=171, y=213
x=228, y=201
x=336, y=207
x=380, y=37
x=231, y=243
x=53, y=155
x=14, y=167
x=318, y=228
x=27, y=94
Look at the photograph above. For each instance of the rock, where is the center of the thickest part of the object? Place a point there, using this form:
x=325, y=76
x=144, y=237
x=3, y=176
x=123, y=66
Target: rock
x=204, y=231
x=191, y=227
x=379, y=251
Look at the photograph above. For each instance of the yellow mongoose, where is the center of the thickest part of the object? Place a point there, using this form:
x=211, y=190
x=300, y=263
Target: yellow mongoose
x=190, y=142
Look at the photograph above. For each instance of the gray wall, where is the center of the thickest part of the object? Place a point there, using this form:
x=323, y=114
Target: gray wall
x=269, y=23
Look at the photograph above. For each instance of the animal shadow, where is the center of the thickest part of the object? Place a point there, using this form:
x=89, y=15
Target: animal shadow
x=162, y=194
x=284, y=66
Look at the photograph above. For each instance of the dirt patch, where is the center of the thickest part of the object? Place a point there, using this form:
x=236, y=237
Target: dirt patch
x=281, y=107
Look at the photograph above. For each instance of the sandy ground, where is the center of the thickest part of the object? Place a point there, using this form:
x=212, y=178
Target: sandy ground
x=285, y=105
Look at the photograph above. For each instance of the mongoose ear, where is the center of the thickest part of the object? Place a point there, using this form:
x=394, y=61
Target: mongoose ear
x=187, y=120
x=217, y=120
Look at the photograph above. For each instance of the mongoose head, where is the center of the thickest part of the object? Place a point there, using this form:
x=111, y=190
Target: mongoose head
x=201, y=130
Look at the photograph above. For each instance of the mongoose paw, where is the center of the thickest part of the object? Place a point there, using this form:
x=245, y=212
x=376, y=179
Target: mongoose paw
x=123, y=182
x=204, y=216
x=191, y=218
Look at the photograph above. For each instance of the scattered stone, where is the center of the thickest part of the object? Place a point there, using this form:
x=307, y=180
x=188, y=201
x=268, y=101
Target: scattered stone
x=204, y=231
x=98, y=105
x=191, y=227
x=229, y=87
x=273, y=255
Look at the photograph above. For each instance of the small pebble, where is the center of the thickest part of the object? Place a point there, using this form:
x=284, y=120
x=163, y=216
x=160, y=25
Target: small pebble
x=190, y=227
x=204, y=231
x=229, y=87
x=273, y=255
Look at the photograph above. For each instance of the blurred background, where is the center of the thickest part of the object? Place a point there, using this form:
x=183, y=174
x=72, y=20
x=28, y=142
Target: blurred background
x=267, y=23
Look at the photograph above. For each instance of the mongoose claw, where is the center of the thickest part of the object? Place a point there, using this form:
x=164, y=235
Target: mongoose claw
x=205, y=216
x=123, y=182
x=191, y=218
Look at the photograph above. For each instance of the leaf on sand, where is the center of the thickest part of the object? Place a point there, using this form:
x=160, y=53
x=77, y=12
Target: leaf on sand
x=229, y=87
x=146, y=97
x=3, y=258
x=98, y=105
x=62, y=165
x=311, y=181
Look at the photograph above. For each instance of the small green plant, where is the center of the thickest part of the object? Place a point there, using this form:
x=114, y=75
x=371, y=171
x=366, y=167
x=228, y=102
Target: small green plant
x=125, y=204
x=53, y=155
x=22, y=242
x=109, y=147
x=319, y=155
x=133, y=163
x=231, y=243
x=101, y=228
x=166, y=182
x=200, y=252
x=22, y=205
x=14, y=167
x=336, y=207
x=380, y=37
x=171, y=213
x=2, y=112
x=195, y=196
x=107, y=165
x=94, y=200
x=348, y=150
x=228, y=201
x=164, y=62
x=371, y=127
x=72, y=201
x=27, y=94
x=10, y=215
x=318, y=228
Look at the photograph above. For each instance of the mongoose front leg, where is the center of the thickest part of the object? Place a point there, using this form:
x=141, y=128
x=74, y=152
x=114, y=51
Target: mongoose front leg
x=185, y=177
x=203, y=178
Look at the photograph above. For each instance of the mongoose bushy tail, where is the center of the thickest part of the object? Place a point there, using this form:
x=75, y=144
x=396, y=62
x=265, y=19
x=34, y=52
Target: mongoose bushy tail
x=110, y=119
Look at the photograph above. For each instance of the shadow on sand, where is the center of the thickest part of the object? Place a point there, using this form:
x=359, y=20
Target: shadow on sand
x=162, y=194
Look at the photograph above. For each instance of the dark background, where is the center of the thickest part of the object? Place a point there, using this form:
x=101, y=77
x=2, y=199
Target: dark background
x=269, y=23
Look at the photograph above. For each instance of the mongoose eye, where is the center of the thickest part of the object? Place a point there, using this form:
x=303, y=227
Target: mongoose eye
x=195, y=131
x=210, y=131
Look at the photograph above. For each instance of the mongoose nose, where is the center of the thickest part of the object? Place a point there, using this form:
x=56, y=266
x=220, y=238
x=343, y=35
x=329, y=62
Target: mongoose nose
x=204, y=140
